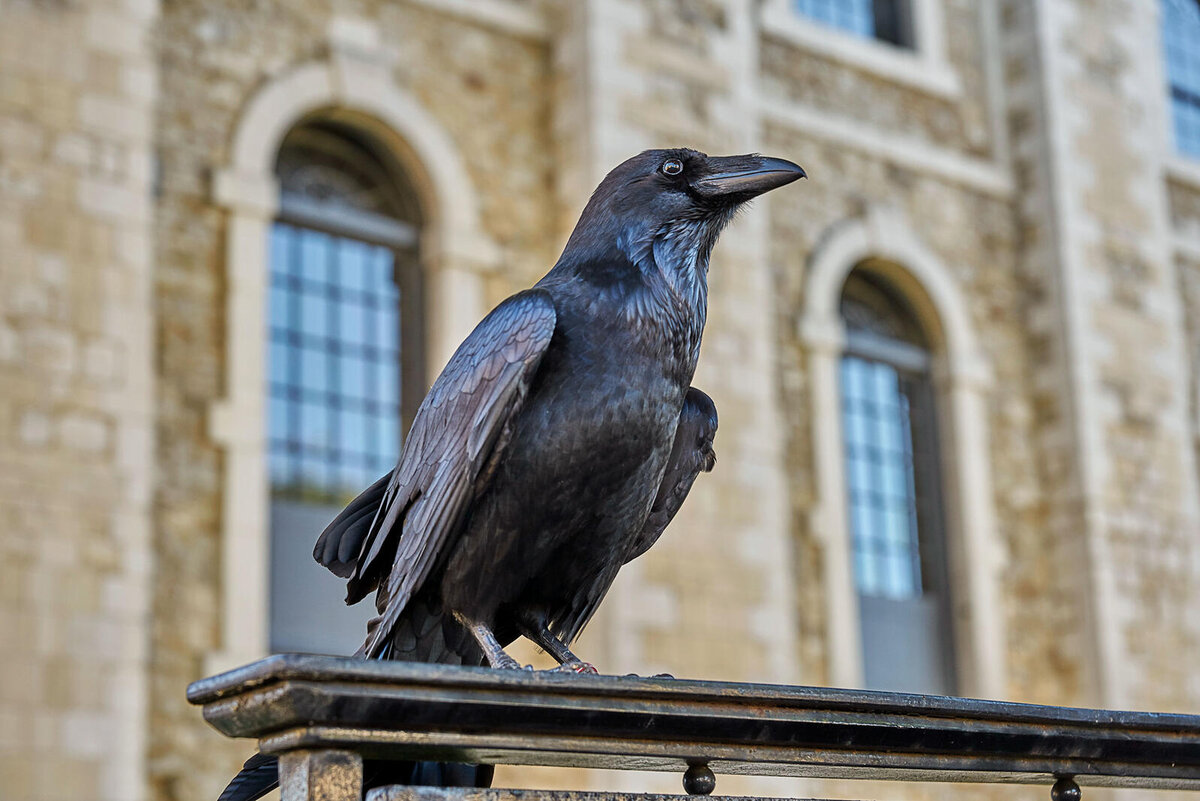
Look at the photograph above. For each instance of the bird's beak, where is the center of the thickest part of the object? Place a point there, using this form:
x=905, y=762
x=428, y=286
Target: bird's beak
x=743, y=177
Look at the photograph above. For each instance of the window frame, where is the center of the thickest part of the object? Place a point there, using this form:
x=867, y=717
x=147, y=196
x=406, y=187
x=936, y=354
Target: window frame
x=457, y=255
x=336, y=221
x=915, y=363
x=924, y=66
x=962, y=380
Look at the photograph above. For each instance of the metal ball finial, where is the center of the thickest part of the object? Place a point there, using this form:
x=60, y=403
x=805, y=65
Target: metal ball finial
x=699, y=780
x=1065, y=789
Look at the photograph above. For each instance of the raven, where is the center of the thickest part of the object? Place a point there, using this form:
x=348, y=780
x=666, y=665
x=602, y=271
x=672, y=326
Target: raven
x=558, y=442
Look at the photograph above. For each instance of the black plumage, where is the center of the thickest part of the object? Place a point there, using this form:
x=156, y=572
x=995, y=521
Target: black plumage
x=561, y=437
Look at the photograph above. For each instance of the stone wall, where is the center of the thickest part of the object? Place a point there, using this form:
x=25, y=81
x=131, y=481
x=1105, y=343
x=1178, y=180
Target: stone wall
x=1057, y=539
x=1096, y=210
x=77, y=87
x=976, y=237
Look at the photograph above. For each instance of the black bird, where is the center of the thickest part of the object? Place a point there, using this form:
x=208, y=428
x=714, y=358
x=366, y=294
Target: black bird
x=558, y=442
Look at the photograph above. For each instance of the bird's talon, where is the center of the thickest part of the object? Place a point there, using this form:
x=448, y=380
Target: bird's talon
x=508, y=663
x=581, y=668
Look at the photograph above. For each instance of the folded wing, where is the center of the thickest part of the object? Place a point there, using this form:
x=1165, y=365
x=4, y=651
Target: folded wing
x=457, y=436
x=691, y=453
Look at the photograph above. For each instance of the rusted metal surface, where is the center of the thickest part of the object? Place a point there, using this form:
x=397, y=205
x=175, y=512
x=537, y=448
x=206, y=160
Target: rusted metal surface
x=320, y=775
x=399, y=792
x=386, y=710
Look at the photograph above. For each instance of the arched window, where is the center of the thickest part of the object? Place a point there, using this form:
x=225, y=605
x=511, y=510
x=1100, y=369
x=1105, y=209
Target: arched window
x=894, y=489
x=345, y=370
x=1181, y=42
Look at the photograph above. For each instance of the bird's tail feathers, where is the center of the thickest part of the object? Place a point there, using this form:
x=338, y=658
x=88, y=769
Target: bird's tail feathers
x=341, y=542
x=258, y=776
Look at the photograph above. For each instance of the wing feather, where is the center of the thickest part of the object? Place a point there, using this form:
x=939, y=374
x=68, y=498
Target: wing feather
x=691, y=454
x=340, y=542
x=459, y=430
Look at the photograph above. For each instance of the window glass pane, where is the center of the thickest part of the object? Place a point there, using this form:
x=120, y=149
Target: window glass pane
x=855, y=16
x=387, y=324
x=313, y=257
x=313, y=436
x=353, y=320
x=354, y=434
x=383, y=280
x=1181, y=42
x=328, y=286
x=387, y=443
x=277, y=418
x=334, y=413
x=387, y=390
x=280, y=469
x=285, y=249
x=352, y=266
x=314, y=371
x=880, y=488
x=277, y=359
x=354, y=380
x=280, y=310
x=314, y=316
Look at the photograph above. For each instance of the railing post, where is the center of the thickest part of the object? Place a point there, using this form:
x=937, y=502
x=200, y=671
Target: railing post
x=320, y=775
x=1065, y=789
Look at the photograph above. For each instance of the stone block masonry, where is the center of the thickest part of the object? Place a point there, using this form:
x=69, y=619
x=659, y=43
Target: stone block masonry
x=77, y=101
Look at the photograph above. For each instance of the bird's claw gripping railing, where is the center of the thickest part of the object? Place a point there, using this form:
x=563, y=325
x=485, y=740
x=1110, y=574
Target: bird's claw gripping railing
x=323, y=715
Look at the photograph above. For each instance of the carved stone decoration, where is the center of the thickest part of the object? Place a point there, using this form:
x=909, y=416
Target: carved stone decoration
x=325, y=163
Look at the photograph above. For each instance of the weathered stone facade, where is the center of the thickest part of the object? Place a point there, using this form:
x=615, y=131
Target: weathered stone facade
x=1014, y=172
x=77, y=95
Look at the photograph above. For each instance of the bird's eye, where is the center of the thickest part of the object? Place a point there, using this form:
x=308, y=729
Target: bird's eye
x=672, y=167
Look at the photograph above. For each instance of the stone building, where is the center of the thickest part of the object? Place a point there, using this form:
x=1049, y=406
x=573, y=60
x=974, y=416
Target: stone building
x=957, y=370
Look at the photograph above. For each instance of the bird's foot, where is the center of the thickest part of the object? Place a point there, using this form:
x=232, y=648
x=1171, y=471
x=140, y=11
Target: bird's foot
x=582, y=668
x=506, y=662
x=655, y=676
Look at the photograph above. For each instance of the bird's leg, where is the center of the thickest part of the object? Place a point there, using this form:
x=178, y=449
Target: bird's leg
x=488, y=643
x=533, y=625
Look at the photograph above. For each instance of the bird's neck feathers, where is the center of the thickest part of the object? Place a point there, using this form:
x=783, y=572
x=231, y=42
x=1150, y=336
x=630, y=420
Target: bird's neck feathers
x=655, y=277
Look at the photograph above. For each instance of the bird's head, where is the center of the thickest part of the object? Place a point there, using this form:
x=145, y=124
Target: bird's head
x=676, y=199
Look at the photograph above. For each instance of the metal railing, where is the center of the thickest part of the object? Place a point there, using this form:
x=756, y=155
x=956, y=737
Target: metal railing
x=323, y=715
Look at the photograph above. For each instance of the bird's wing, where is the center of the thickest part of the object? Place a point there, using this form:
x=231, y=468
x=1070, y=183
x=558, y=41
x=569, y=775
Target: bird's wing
x=691, y=453
x=341, y=542
x=456, y=439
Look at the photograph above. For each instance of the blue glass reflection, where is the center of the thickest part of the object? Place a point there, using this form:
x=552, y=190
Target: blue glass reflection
x=1181, y=43
x=879, y=471
x=333, y=364
x=854, y=16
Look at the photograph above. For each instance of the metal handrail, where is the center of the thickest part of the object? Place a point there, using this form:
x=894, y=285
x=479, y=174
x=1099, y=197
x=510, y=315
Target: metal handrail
x=300, y=705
